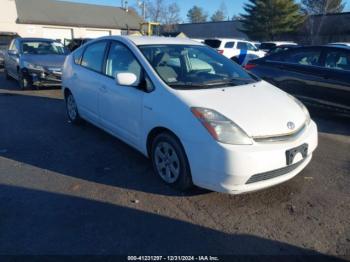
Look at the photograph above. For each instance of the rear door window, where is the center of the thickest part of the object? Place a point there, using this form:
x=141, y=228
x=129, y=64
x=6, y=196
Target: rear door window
x=94, y=55
x=78, y=55
x=242, y=46
x=307, y=57
x=214, y=43
x=229, y=44
x=302, y=57
x=339, y=60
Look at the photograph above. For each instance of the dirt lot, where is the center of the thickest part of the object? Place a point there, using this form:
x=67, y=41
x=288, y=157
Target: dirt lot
x=77, y=190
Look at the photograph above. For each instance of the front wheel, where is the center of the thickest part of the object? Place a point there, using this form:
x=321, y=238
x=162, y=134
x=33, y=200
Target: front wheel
x=72, y=109
x=170, y=162
x=7, y=76
x=23, y=82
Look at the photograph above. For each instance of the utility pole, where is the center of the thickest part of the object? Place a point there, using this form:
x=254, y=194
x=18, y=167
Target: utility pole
x=142, y=4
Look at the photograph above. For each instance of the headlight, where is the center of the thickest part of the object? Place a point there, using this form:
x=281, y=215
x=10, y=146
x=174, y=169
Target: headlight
x=33, y=66
x=221, y=128
x=306, y=112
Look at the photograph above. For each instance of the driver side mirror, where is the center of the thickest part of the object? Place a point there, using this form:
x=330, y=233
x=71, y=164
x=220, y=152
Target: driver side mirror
x=126, y=79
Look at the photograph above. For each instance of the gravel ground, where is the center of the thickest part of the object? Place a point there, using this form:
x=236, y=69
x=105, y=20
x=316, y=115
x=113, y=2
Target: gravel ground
x=77, y=190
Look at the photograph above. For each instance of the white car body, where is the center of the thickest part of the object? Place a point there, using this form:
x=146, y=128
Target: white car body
x=260, y=109
x=240, y=51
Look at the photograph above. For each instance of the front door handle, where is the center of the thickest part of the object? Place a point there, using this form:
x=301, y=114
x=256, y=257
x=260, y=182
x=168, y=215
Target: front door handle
x=103, y=89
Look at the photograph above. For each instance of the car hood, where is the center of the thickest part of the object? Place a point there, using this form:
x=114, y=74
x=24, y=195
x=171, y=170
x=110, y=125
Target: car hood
x=45, y=60
x=260, y=109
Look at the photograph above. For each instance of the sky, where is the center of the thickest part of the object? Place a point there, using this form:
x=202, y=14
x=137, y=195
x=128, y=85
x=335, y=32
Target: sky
x=234, y=7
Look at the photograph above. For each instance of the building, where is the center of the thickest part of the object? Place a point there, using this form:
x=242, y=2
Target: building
x=65, y=20
x=224, y=29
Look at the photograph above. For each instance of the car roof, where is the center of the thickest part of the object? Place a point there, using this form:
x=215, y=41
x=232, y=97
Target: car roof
x=23, y=39
x=227, y=39
x=323, y=46
x=157, y=40
x=339, y=44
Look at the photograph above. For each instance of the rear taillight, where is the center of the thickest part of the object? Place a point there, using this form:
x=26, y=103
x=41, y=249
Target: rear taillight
x=249, y=66
x=221, y=52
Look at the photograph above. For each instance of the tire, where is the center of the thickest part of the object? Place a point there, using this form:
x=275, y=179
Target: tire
x=72, y=109
x=170, y=162
x=23, y=82
x=7, y=76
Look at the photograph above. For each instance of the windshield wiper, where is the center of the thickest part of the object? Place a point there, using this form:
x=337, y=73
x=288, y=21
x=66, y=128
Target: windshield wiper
x=228, y=81
x=234, y=81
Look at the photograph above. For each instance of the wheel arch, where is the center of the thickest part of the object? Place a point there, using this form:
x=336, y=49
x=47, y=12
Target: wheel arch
x=153, y=134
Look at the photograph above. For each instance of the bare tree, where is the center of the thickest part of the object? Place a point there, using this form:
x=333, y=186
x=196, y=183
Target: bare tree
x=314, y=25
x=321, y=7
x=220, y=14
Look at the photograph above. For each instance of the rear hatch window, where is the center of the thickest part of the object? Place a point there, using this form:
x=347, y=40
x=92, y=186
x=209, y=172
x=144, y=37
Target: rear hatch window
x=214, y=43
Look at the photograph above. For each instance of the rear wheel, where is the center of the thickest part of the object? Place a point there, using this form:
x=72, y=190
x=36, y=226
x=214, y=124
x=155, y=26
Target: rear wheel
x=72, y=109
x=170, y=162
x=235, y=59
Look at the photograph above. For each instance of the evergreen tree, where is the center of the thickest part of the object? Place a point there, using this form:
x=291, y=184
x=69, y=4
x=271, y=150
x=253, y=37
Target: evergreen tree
x=266, y=19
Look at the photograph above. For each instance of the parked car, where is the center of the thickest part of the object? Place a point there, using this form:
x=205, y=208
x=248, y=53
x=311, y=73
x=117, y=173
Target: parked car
x=256, y=44
x=35, y=62
x=75, y=43
x=240, y=51
x=318, y=75
x=5, y=40
x=281, y=48
x=267, y=46
x=224, y=130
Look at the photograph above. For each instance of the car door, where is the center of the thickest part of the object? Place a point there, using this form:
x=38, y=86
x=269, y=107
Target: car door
x=297, y=71
x=336, y=87
x=90, y=80
x=121, y=106
x=12, y=60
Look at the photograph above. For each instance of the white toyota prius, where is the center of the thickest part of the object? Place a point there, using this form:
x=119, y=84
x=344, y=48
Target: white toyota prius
x=200, y=118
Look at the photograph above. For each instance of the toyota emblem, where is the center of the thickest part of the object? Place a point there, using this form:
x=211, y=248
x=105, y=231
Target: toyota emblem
x=291, y=125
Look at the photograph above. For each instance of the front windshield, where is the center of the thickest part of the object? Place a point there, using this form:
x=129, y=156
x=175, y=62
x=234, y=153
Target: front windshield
x=194, y=67
x=43, y=48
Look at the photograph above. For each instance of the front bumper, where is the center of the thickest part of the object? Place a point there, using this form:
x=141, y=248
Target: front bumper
x=240, y=169
x=48, y=78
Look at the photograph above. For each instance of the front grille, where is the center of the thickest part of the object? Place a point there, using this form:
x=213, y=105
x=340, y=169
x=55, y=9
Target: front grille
x=274, y=173
x=278, y=138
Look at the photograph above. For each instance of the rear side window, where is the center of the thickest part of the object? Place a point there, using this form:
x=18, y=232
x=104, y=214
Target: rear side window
x=214, y=43
x=94, y=55
x=229, y=44
x=78, y=55
x=339, y=60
